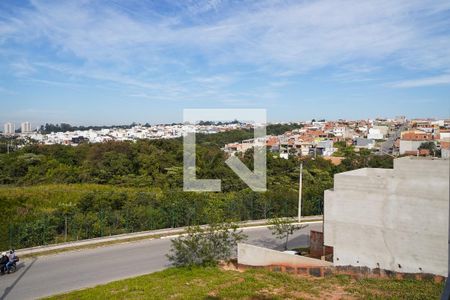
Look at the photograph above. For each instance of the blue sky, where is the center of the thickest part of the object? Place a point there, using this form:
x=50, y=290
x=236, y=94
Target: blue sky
x=114, y=62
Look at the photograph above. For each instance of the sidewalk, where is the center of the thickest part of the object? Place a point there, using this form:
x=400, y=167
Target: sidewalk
x=127, y=237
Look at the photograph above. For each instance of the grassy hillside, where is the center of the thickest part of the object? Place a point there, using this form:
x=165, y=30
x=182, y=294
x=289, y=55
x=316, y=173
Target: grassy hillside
x=50, y=196
x=212, y=283
x=38, y=214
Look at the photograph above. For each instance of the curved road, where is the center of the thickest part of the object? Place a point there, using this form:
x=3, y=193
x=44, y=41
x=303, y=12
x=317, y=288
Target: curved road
x=53, y=274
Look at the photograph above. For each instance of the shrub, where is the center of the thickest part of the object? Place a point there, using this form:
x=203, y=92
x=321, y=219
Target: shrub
x=205, y=245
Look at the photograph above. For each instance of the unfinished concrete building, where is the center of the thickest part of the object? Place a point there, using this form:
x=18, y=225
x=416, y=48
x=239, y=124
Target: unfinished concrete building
x=391, y=219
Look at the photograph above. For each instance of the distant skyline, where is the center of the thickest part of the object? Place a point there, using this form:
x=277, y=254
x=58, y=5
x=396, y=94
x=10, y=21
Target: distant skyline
x=116, y=62
x=38, y=125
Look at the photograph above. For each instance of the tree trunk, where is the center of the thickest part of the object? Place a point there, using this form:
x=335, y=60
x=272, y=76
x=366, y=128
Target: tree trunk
x=287, y=239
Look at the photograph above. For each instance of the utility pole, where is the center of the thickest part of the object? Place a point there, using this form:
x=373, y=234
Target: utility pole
x=300, y=193
x=65, y=228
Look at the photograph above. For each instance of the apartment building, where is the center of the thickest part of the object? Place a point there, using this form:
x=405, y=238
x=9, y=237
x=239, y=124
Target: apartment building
x=25, y=127
x=9, y=129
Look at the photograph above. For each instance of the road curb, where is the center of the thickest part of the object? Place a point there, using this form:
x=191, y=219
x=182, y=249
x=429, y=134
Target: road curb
x=129, y=237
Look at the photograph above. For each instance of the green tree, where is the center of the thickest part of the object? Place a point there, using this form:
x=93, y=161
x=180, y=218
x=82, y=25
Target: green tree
x=431, y=146
x=205, y=246
x=282, y=228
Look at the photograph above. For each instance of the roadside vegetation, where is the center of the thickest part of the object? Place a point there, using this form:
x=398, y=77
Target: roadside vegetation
x=60, y=193
x=214, y=283
x=205, y=245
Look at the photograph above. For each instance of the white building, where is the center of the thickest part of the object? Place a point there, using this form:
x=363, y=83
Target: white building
x=383, y=129
x=375, y=134
x=339, y=131
x=444, y=134
x=9, y=129
x=378, y=132
x=25, y=127
x=392, y=219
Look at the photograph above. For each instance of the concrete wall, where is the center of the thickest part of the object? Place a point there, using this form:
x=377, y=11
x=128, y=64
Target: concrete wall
x=445, y=153
x=408, y=146
x=393, y=219
x=251, y=255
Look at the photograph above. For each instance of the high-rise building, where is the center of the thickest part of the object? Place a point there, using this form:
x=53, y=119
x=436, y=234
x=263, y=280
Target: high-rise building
x=25, y=127
x=9, y=129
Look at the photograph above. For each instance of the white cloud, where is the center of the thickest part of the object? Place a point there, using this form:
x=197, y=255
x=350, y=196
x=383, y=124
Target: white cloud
x=111, y=42
x=22, y=68
x=422, y=82
x=7, y=91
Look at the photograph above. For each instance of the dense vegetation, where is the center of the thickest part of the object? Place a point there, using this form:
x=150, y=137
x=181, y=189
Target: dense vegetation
x=117, y=187
x=213, y=283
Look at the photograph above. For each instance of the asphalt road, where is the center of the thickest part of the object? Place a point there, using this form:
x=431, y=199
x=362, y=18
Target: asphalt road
x=53, y=274
x=389, y=143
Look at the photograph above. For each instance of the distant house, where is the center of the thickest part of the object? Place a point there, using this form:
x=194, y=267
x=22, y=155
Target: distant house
x=325, y=148
x=234, y=148
x=339, y=131
x=364, y=143
x=411, y=140
x=444, y=134
x=78, y=139
x=384, y=130
x=273, y=143
x=445, y=148
x=423, y=125
x=375, y=134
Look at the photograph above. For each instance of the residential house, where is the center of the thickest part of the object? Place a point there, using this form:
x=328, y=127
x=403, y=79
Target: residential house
x=325, y=148
x=411, y=140
x=445, y=148
x=363, y=143
x=375, y=134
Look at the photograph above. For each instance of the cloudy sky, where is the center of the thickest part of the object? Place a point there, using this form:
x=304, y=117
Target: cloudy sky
x=111, y=62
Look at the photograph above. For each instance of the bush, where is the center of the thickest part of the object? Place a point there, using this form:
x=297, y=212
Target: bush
x=205, y=246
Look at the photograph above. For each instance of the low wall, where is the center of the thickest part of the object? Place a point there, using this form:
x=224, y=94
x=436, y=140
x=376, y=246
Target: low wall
x=251, y=255
x=316, y=247
x=365, y=272
x=354, y=272
x=254, y=257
